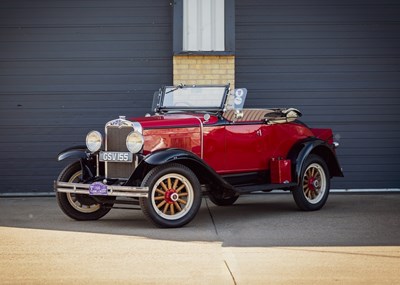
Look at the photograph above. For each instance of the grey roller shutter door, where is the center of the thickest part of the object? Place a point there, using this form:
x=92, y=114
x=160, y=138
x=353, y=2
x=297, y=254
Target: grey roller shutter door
x=338, y=62
x=66, y=68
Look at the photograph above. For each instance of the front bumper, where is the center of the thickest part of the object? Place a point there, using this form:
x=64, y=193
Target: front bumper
x=112, y=190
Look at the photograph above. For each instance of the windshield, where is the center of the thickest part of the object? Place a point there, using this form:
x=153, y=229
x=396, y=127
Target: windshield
x=194, y=97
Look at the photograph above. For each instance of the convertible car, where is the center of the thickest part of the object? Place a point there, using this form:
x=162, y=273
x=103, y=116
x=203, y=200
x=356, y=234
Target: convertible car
x=199, y=140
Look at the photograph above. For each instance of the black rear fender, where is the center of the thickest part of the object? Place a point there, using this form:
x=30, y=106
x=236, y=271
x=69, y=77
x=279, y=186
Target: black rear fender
x=299, y=153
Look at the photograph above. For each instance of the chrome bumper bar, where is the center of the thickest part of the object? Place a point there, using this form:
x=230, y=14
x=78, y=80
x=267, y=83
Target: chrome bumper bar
x=112, y=190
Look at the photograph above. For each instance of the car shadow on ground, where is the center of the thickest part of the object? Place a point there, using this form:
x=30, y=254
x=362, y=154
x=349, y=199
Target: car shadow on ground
x=254, y=220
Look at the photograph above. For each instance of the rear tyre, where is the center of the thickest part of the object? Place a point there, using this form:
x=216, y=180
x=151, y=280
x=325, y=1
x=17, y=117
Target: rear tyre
x=174, y=195
x=77, y=206
x=314, y=184
x=222, y=201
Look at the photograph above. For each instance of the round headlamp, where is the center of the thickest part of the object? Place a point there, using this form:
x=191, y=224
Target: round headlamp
x=134, y=142
x=93, y=141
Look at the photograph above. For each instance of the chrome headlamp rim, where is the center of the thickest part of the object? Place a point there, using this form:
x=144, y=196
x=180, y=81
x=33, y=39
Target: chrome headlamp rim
x=134, y=141
x=94, y=141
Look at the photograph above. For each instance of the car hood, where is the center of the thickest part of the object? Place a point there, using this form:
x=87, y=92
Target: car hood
x=173, y=120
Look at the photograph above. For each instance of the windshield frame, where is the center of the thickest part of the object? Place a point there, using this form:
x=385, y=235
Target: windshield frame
x=170, y=89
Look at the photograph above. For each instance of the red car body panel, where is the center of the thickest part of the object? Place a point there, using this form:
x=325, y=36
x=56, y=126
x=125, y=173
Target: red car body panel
x=225, y=146
x=187, y=138
x=171, y=131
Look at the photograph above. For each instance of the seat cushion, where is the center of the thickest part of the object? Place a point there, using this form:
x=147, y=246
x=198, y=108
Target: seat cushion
x=248, y=115
x=270, y=116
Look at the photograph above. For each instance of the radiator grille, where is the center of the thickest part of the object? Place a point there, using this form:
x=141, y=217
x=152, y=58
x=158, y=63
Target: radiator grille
x=116, y=141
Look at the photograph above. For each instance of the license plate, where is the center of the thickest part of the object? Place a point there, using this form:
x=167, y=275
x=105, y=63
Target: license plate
x=98, y=188
x=115, y=156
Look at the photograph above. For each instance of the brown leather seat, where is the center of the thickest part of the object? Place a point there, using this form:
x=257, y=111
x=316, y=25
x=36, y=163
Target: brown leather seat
x=270, y=116
x=249, y=115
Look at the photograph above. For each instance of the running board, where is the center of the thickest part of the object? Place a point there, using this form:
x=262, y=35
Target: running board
x=263, y=187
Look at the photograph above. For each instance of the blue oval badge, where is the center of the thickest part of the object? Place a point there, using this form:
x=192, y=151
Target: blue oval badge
x=98, y=188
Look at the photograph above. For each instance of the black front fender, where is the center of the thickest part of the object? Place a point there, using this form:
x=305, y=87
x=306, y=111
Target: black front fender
x=164, y=156
x=79, y=151
x=202, y=170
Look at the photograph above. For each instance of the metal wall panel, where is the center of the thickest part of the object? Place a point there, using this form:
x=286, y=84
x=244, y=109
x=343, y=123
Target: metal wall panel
x=67, y=67
x=338, y=62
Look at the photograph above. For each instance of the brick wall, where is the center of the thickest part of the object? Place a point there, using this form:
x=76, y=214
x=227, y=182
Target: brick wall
x=204, y=70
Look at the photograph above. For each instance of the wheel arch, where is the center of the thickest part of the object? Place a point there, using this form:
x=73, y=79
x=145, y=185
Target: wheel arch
x=203, y=171
x=299, y=153
x=81, y=153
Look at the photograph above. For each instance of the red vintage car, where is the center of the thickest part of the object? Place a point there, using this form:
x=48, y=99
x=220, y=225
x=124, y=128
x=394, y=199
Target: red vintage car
x=200, y=140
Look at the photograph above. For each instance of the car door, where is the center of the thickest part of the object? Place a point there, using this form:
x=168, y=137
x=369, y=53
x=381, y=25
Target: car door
x=246, y=148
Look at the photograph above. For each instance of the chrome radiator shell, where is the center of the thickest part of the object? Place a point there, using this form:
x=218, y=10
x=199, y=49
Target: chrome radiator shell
x=116, y=132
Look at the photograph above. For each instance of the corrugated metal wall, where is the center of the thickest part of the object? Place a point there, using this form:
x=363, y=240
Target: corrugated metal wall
x=338, y=62
x=67, y=67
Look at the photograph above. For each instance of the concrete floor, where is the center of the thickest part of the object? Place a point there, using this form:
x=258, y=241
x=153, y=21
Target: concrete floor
x=262, y=239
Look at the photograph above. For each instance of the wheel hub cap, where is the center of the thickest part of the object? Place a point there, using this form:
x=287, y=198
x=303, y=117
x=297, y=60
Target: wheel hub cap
x=313, y=183
x=171, y=196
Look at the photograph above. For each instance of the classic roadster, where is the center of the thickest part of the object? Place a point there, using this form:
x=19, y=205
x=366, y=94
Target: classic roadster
x=200, y=140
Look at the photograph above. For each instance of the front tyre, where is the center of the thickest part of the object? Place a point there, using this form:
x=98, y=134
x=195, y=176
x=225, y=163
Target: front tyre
x=174, y=195
x=78, y=206
x=314, y=184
